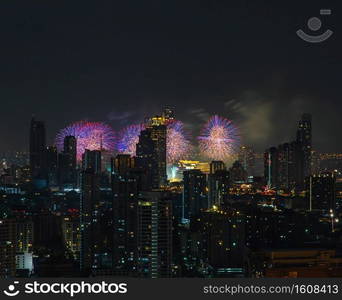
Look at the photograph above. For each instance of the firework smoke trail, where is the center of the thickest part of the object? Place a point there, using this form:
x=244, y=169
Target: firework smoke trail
x=89, y=135
x=219, y=139
x=128, y=139
x=178, y=145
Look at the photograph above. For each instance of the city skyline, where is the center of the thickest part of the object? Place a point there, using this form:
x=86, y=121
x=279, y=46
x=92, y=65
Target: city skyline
x=171, y=139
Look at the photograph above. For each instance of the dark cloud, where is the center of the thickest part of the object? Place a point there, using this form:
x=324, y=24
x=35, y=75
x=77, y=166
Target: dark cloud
x=120, y=62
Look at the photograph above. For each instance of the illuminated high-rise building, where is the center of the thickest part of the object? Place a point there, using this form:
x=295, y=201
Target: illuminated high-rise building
x=304, y=138
x=237, y=172
x=37, y=148
x=24, y=235
x=168, y=113
x=72, y=235
x=218, y=185
x=7, y=248
x=122, y=164
x=92, y=160
x=321, y=193
x=151, y=153
x=51, y=165
x=67, y=162
x=221, y=236
x=154, y=235
x=247, y=159
x=126, y=184
x=195, y=193
x=216, y=165
x=89, y=218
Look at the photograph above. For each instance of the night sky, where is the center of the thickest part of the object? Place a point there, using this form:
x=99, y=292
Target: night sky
x=119, y=61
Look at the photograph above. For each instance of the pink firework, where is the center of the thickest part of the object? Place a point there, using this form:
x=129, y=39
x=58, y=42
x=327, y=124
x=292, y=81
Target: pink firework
x=128, y=139
x=178, y=145
x=219, y=139
x=89, y=135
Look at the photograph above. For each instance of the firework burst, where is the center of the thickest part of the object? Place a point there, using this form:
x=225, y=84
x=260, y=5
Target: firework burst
x=89, y=135
x=128, y=139
x=219, y=139
x=178, y=145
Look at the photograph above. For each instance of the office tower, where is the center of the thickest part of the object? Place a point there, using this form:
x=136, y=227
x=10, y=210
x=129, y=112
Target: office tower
x=37, y=148
x=71, y=234
x=213, y=183
x=222, y=235
x=271, y=167
x=195, y=193
x=7, y=248
x=125, y=187
x=154, y=235
x=237, y=173
x=70, y=149
x=247, y=159
x=151, y=153
x=24, y=246
x=218, y=184
x=320, y=191
x=216, y=165
x=169, y=113
x=122, y=164
x=106, y=159
x=67, y=163
x=24, y=235
x=51, y=165
x=89, y=218
x=304, y=138
x=92, y=160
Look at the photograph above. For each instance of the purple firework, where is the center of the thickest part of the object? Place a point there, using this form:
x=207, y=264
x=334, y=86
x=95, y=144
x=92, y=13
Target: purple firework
x=128, y=139
x=219, y=138
x=178, y=145
x=89, y=135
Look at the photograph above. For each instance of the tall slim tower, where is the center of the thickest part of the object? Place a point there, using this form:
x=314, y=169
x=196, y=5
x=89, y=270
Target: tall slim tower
x=151, y=153
x=89, y=218
x=67, y=162
x=154, y=235
x=304, y=138
x=37, y=148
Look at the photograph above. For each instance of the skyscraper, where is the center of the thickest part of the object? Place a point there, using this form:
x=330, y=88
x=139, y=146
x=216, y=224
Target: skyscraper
x=7, y=248
x=154, y=235
x=125, y=187
x=247, y=159
x=89, y=218
x=37, y=148
x=216, y=165
x=151, y=153
x=195, y=193
x=51, y=165
x=304, y=138
x=67, y=163
x=321, y=193
x=92, y=160
x=168, y=113
x=218, y=184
